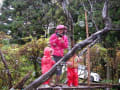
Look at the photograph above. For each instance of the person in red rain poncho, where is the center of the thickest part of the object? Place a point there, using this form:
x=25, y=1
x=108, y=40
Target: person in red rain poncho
x=47, y=62
x=72, y=70
x=59, y=42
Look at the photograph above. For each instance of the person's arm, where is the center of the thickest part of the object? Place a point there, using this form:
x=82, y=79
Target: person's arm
x=42, y=65
x=53, y=40
x=80, y=59
x=52, y=61
x=77, y=60
x=69, y=64
x=63, y=42
x=42, y=62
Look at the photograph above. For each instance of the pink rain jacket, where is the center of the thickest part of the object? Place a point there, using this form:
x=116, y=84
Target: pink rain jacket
x=47, y=61
x=57, y=45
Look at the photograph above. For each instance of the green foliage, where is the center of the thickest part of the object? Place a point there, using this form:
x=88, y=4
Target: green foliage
x=27, y=18
x=106, y=81
x=79, y=33
x=31, y=18
x=18, y=60
x=98, y=58
x=5, y=41
x=34, y=48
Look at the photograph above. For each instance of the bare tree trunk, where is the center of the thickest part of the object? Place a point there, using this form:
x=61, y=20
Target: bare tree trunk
x=85, y=49
x=70, y=21
x=7, y=69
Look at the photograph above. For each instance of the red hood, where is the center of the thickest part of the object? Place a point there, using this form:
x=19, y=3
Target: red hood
x=47, y=51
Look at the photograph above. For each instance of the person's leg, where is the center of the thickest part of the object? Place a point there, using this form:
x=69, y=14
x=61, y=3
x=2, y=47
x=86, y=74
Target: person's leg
x=46, y=82
x=58, y=70
x=52, y=81
x=57, y=79
x=75, y=80
x=58, y=74
x=69, y=76
x=69, y=82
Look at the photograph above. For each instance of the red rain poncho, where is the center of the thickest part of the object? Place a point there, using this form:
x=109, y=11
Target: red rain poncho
x=47, y=61
x=72, y=71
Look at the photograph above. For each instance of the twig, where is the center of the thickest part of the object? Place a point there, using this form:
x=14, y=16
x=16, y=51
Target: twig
x=20, y=84
x=91, y=13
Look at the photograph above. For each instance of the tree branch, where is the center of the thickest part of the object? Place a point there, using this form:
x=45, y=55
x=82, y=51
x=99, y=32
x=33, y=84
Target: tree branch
x=105, y=10
x=105, y=16
x=85, y=49
x=7, y=69
x=84, y=6
x=64, y=4
x=20, y=84
x=115, y=29
x=91, y=14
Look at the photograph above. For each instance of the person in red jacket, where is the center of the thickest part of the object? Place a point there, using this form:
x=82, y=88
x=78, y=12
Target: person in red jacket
x=47, y=62
x=59, y=42
x=72, y=70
